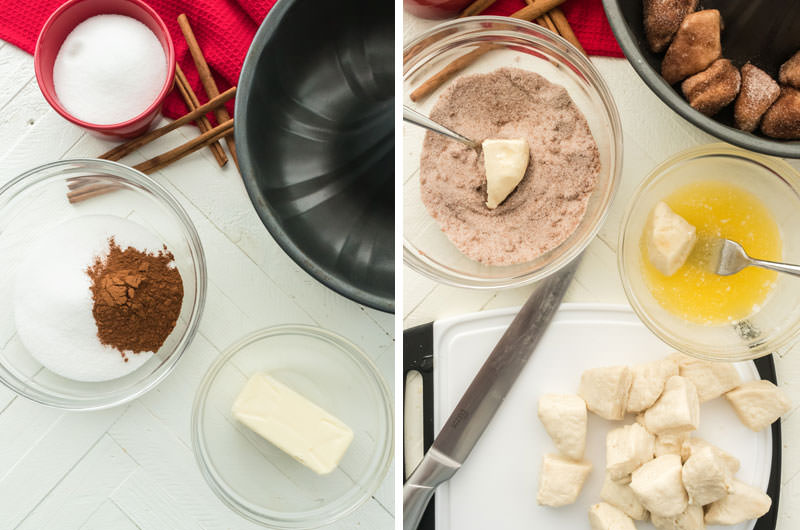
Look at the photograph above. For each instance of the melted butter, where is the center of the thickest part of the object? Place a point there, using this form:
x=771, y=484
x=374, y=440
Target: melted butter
x=717, y=209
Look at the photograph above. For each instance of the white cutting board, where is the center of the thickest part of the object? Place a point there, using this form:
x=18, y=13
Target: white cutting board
x=496, y=487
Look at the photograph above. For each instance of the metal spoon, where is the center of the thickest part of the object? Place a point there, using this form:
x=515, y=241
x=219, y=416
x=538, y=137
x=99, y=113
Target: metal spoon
x=412, y=116
x=730, y=258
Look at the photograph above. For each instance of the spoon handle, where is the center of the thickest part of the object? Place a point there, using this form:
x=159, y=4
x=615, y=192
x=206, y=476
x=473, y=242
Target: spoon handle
x=412, y=116
x=794, y=270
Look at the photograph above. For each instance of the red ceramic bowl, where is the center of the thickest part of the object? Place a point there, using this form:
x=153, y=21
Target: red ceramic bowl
x=435, y=8
x=63, y=21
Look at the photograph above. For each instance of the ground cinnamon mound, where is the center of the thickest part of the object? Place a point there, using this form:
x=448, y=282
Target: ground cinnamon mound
x=137, y=298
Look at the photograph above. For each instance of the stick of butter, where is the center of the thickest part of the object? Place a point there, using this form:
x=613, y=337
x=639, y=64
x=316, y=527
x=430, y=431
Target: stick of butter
x=505, y=162
x=291, y=422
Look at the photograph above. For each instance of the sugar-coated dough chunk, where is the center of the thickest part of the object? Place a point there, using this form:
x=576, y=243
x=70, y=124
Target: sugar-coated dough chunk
x=564, y=418
x=670, y=444
x=789, y=73
x=662, y=18
x=758, y=403
x=603, y=516
x=627, y=448
x=714, y=88
x=759, y=91
x=659, y=488
x=692, y=445
x=782, y=119
x=690, y=519
x=605, y=390
x=647, y=382
x=622, y=497
x=696, y=45
x=676, y=411
x=711, y=379
x=706, y=477
x=744, y=502
x=561, y=480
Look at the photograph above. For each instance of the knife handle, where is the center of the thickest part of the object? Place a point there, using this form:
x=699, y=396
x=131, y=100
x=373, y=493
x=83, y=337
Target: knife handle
x=434, y=469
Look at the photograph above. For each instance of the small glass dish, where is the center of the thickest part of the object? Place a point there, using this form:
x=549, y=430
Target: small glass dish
x=775, y=325
x=35, y=202
x=258, y=480
x=519, y=44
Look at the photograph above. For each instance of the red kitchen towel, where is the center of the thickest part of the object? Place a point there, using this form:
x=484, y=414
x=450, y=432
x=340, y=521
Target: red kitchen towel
x=588, y=21
x=224, y=30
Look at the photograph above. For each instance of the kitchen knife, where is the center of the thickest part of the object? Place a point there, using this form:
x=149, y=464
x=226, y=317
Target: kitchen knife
x=484, y=395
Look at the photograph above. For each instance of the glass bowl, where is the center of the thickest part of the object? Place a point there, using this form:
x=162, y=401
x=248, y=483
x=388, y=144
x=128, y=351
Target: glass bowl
x=35, y=202
x=258, y=480
x=521, y=44
x=776, y=323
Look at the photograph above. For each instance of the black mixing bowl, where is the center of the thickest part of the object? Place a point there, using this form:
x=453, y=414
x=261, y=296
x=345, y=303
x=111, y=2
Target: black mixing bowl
x=315, y=138
x=764, y=32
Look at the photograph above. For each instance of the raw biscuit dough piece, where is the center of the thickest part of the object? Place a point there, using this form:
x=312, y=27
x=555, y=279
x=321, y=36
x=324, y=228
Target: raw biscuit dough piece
x=662, y=18
x=758, y=403
x=706, y=477
x=605, y=390
x=621, y=496
x=743, y=503
x=690, y=519
x=627, y=448
x=647, y=383
x=789, y=73
x=758, y=92
x=782, y=119
x=676, y=411
x=696, y=45
x=564, y=418
x=670, y=444
x=561, y=480
x=659, y=488
x=714, y=88
x=711, y=379
x=603, y=516
x=692, y=445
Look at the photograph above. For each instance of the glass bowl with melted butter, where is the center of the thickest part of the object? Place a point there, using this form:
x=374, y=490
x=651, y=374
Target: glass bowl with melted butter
x=723, y=192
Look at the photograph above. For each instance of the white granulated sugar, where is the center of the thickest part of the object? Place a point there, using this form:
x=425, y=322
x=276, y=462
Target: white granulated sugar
x=109, y=69
x=53, y=302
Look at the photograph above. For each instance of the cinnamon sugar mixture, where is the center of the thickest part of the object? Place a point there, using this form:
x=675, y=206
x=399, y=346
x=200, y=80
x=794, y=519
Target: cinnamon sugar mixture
x=551, y=199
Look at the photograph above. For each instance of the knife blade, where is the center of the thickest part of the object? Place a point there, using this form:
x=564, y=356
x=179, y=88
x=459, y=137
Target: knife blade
x=485, y=394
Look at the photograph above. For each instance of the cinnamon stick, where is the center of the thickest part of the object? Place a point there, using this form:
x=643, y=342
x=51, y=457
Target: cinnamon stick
x=190, y=98
x=564, y=29
x=206, y=78
x=157, y=162
x=128, y=147
x=529, y=13
x=536, y=9
x=476, y=8
x=80, y=191
x=547, y=22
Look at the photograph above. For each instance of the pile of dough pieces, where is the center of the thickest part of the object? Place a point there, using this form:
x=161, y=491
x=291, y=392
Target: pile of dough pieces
x=710, y=82
x=653, y=466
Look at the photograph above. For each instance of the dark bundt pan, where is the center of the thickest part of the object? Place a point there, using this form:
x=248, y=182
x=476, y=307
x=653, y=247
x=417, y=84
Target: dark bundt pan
x=764, y=32
x=315, y=137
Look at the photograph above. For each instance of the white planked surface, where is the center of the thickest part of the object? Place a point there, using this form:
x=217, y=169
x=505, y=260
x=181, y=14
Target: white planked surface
x=652, y=132
x=132, y=467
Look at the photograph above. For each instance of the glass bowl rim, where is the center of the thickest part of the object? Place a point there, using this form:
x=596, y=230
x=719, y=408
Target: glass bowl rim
x=416, y=260
x=782, y=172
x=141, y=181
x=356, y=355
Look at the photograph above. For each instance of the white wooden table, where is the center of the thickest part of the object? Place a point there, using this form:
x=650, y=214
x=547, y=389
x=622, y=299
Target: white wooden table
x=652, y=133
x=132, y=466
